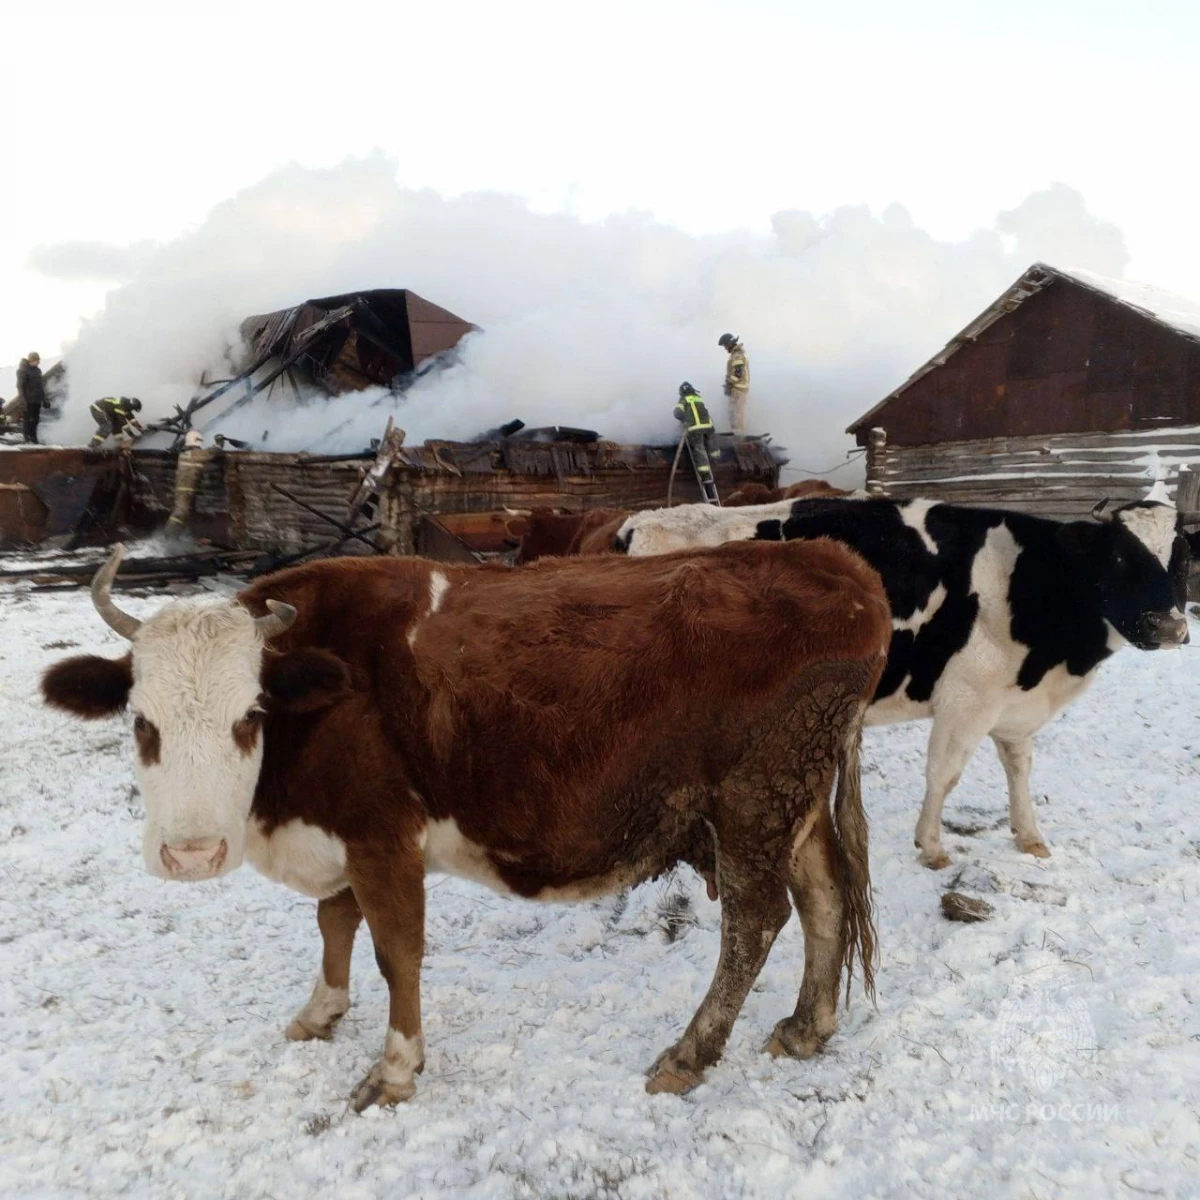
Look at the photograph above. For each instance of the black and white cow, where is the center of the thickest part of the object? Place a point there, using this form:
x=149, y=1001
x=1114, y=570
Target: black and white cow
x=999, y=619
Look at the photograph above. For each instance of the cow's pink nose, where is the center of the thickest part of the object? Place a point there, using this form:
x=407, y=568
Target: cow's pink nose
x=196, y=859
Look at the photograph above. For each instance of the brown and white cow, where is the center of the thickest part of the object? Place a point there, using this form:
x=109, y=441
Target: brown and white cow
x=555, y=732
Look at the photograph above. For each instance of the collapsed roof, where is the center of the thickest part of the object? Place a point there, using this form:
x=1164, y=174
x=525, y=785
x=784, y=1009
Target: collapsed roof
x=357, y=340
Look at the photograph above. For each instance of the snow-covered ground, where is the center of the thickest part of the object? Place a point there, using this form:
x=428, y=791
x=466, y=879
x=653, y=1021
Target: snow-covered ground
x=1052, y=1051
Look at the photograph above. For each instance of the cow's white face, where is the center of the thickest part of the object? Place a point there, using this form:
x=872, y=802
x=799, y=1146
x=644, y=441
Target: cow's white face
x=197, y=678
x=1153, y=523
x=196, y=704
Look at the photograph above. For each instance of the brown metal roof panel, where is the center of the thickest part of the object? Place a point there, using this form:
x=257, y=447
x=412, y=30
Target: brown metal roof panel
x=433, y=329
x=1032, y=281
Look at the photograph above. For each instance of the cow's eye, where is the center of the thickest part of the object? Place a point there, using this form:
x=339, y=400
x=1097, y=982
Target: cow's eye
x=253, y=715
x=139, y=724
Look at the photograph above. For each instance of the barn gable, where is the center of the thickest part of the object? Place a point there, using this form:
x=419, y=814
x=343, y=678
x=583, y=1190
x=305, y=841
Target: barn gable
x=1059, y=352
x=1068, y=388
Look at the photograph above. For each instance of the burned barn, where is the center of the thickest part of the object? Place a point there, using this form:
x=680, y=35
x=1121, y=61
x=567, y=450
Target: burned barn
x=327, y=347
x=363, y=339
x=1069, y=388
x=448, y=500
x=455, y=500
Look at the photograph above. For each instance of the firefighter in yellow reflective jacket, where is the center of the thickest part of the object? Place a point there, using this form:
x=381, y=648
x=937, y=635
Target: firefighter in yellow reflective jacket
x=114, y=416
x=737, y=380
x=698, y=426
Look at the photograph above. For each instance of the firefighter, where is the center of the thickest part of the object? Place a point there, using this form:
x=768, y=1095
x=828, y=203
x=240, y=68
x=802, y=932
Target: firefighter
x=700, y=431
x=31, y=394
x=188, y=469
x=114, y=416
x=737, y=381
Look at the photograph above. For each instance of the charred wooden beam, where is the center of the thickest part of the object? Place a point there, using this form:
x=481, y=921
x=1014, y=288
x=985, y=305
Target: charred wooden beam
x=274, y=563
x=316, y=512
x=134, y=571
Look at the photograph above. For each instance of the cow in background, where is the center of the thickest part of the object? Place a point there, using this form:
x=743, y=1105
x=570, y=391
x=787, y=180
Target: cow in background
x=554, y=732
x=563, y=535
x=999, y=619
x=759, y=493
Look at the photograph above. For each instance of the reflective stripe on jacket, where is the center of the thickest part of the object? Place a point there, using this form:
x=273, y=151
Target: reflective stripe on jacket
x=112, y=405
x=693, y=413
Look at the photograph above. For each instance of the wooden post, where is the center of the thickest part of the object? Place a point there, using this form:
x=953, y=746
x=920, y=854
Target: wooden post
x=876, y=449
x=1187, y=500
x=1187, y=490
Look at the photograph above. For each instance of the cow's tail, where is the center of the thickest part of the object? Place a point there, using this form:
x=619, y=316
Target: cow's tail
x=850, y=825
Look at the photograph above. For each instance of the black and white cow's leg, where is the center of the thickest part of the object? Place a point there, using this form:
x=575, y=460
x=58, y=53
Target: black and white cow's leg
x=754, y=908
x=338, y=919
x=958, y=728
x=1016, y=756
x=391, y=893
x=817, y=892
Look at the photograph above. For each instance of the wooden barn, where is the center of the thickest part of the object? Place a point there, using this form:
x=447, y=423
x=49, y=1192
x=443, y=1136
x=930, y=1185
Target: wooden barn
x=443, y=499
x=1069, y=388
x=450, y=500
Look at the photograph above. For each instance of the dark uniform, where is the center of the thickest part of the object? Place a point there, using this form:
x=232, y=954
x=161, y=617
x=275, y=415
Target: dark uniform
x=31, y=392
x=112, y=415
x=698, y=426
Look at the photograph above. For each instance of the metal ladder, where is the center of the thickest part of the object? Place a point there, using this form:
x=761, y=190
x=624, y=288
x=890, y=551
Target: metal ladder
x=708, y=486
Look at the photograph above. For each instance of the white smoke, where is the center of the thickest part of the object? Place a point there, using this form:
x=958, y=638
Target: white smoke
x=592, y=325
x=91, y=261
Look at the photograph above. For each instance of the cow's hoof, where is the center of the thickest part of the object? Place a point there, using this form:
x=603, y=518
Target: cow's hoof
x=319, y=1017
x=795, y=1039
x=1037, y=848
x=668, y=1074
x=935, y=860
x=304, y=1031
x=377, y=1090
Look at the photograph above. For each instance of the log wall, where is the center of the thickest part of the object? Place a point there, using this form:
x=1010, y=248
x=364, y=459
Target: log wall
x=1061, y=475
x=412, y=495
x=236, y=504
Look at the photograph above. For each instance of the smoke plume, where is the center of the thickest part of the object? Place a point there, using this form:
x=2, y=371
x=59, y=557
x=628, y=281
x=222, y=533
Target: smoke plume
x=592, y=325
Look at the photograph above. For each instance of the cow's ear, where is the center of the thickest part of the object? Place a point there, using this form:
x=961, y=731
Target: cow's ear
x=89, y=686
x=304, y=680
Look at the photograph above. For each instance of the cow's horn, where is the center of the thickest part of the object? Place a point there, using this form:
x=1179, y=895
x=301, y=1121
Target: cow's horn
x=280, y=617
x=114, y=618
x=1099, y=513
x=518, y=512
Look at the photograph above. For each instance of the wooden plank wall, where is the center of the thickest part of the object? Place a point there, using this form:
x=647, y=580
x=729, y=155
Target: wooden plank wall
x=411, y=495
x=236, y=504
x=1061, y=476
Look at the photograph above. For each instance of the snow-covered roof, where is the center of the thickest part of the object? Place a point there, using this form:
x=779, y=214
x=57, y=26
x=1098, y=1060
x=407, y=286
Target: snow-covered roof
x=1175, y=312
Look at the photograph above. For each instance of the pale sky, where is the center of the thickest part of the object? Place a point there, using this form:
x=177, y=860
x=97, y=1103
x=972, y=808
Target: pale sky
x=124, y=123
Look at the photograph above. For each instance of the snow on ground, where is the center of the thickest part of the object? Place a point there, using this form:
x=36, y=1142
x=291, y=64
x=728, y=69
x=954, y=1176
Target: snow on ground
x=1053, y=1051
